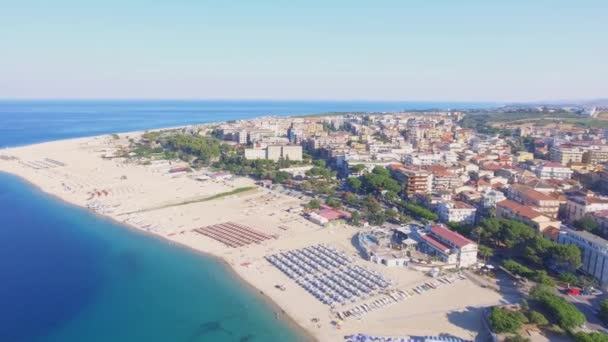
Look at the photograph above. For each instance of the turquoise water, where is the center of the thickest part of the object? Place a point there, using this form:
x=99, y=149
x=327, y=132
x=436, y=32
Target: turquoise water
x=75, y=276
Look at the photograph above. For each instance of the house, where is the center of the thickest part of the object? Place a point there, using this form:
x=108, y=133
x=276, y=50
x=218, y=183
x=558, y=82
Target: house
x=456, y=211
x=512, y=210
x=449, y=246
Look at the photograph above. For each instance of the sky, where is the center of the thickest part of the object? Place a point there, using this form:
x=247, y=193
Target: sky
x=419, y=50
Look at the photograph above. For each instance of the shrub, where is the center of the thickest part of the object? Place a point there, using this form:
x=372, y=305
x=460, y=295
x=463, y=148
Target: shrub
x=590, y=337
x=564, y=313
x=538, y=318
x=516, y=338
x=504, y=321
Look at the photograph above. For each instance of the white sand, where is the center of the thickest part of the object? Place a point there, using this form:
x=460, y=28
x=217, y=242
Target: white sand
x=452, y=309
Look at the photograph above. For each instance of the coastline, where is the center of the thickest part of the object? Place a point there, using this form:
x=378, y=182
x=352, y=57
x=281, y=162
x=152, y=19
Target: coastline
x=150, y=199
x=280, y=314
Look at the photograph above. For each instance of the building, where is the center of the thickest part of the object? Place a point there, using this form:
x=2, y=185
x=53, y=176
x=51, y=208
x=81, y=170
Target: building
x=456, y=211
x=523, y=156
x=512, y=210
x=537, y=200
x=327, y=216
x=275, y=152
x=449, y=246
x=491, y=197
x=566, y=155
x=552, y=170
x=601, y=218
x=415, y=179
x=579, y=206
x=596, y=155
x=419, y=159
x=594, y=252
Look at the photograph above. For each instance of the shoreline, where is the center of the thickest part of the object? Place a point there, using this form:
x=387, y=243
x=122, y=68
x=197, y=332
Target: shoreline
x=150, y=199
x=280, y=314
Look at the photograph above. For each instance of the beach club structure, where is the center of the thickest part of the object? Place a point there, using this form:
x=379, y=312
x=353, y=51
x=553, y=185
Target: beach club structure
x=327, y=216
x=377, y=246
x=233, y=234
x=328, y=274
x=451, y=247
x=371, y=338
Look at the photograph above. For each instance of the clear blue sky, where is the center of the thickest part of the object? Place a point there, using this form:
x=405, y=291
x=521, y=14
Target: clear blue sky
x=485, y=50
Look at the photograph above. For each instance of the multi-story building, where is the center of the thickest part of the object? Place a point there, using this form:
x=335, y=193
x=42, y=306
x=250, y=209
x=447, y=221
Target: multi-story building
x=275, y=152
x=449, y=246
x=456, y=211
x=537, y=200
x=594, y=252
x=415, y=179
x=601, y=218
x=421, y=159
x=565, y=154
x=491, y=197
x=443, y=179
x=596, y=155
x=579, y=206
x=523, y=156
x=552, y=170
x=512, y=210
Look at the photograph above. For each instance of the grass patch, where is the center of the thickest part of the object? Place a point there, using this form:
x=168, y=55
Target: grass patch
x=228, y=193
x=197, y=200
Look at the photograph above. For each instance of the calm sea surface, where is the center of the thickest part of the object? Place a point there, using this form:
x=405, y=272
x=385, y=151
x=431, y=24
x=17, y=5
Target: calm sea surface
x=68, y=275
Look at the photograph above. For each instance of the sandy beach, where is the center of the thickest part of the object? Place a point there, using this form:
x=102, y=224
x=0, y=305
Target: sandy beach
x=148, y=198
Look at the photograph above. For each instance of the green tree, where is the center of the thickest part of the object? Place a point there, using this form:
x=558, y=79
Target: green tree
x=568, y=278
x=333, y=202
x=564, y=313
x=319, y=163
x=590, y=337
x=586, y=223
x=355, y=218
x=567, y=256
x=538, y=318
x=281, y=176
x=516, y=338
x=504, y=321
x=485, y=252
x=314, y=204
x=357, y=169
x=354, y=183
x=381, y=171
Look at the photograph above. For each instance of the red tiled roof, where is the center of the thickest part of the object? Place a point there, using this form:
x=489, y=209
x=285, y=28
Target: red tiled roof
x=329, y=214
x=435, y=243
x=448, y=235
x=396, y=166
x=519, y=209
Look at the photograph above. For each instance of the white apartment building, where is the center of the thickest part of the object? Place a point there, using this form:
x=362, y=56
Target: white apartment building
x=456, y=211
x=594, y=252
x=552, y=170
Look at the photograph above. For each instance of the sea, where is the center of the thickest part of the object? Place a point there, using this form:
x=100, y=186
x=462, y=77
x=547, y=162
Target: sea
x=69, y=275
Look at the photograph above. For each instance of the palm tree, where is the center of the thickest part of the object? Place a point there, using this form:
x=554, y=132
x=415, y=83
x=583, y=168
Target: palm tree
x=485, y=252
